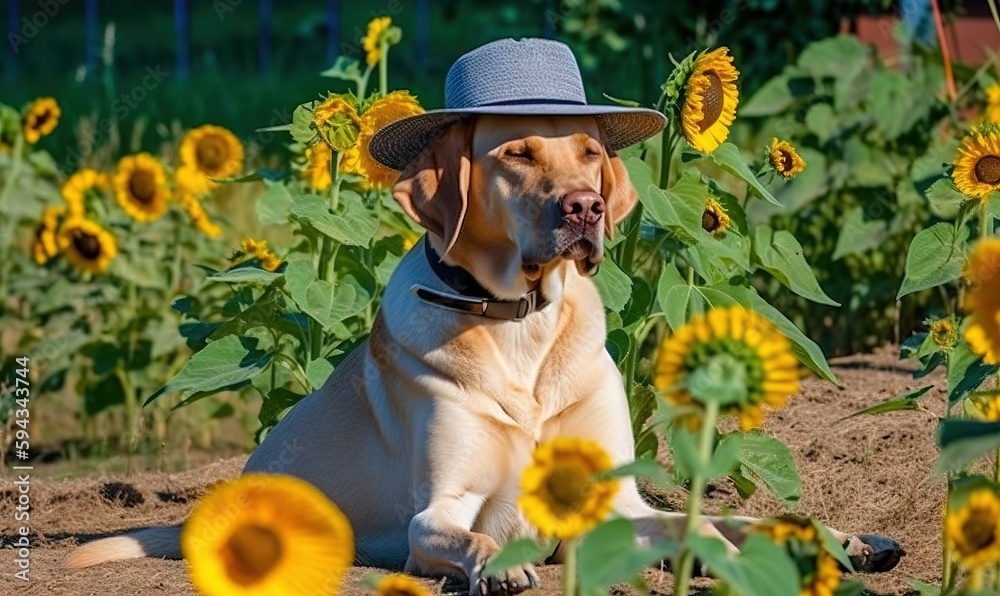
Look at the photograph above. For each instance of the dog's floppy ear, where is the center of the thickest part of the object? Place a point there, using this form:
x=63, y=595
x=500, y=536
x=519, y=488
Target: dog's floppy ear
x=434, y=187
x=619, y=195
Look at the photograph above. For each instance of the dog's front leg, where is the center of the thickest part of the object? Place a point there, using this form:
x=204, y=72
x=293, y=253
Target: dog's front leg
x=441, y=541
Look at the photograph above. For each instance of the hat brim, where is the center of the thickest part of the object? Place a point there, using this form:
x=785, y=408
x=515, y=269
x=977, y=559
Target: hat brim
x=398, y=143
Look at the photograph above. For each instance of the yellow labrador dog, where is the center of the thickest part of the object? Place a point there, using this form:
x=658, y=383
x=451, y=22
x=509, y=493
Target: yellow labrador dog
x=420, y=436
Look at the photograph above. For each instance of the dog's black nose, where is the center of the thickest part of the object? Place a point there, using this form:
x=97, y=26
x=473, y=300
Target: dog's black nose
x=582, y=207
x=880, y=554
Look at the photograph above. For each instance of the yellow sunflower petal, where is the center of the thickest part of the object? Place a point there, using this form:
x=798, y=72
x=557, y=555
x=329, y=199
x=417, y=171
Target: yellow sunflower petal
x=977, y=164
x=281, y=535
x=40, y=119
x=140, y=184
x=86, y=244
x=710, y=99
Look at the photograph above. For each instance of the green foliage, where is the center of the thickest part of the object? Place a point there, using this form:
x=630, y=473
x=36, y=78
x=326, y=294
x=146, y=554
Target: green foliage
x=870, y=138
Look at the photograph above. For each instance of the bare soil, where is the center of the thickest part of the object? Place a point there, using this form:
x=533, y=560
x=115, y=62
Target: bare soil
x=863, y=475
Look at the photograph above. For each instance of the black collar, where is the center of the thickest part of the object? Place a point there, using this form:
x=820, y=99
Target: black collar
x=470, y=297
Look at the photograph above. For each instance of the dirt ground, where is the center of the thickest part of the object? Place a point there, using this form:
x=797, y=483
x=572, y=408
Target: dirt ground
x=864, y=475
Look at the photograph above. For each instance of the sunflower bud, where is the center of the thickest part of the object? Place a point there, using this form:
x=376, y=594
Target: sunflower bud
x=337, y=122
x=944, y=332
x=714, y=219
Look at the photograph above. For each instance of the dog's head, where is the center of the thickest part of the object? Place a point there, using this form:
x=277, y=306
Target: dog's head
x=512, y=196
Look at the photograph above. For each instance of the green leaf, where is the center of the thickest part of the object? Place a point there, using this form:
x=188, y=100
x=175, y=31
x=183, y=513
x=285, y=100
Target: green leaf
x=858, y=234
x=245, y=274
x=966, y=372
x=728, y=157
x=678, y=300
x=518, y=552
x=276, y=403
x=318, y=371
x=345, y=69
x=274, y=205
x=936, y=257
x=780, y=254
x=909, y=400
x=822, y=121
x=302, y=125
x=945, y=199
x=833, y=546
x=642, y=468
x=761, y=569
x=745, y=487
x=964, y=441
x=614, y=285
x=353, y=224
x=224, y=362
x=726, y=457
x=683, y=446
x=318, y=298
x=773, y=97
x=681, y=219
x=609, y=555
x=833, y=56
x=770, y=460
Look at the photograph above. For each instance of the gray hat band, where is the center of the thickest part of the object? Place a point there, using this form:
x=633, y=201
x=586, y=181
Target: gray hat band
x=509, y=72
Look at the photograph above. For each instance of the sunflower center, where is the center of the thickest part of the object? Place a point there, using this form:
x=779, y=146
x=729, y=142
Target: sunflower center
x=712, y=104
x=251, y=552
x=211, y=154
x=86, y=244
x=988, y=169
x=142, y=186
x=710, y=220
x=979, y=534
x=567, y=486
x=787, y=161
x=42, y=118
x=702, y=353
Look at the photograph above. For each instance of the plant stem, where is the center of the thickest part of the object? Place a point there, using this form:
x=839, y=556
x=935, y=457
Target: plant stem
x=569, y=569
x=945, y=54
x=985, y=225
x=383, y=69
x=683, y=577
x=326, y=254
x=363, y=83
x=628, y=252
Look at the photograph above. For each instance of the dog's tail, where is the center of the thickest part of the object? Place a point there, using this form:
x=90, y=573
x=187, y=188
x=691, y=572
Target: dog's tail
x=147, y=542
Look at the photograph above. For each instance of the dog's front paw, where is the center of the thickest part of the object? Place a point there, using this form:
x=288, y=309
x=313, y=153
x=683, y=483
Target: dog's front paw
x=512, y=581
x=873, y=553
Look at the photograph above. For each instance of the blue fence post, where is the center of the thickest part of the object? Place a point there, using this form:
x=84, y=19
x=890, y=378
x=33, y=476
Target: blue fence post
x=92, y=39
x=264, y=37
x=423, y=32
x=13, y=26
x=182, y=27
x=332, y=30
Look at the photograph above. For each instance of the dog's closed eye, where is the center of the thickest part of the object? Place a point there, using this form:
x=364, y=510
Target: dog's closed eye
x=519, y=152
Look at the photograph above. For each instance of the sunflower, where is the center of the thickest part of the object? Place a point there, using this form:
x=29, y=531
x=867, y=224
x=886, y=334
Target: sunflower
x=819, y=571
x=972, y=531
x=258, y=248
x=988, y=406
x=141, y=187
x=372, y=41
x=710, y=99
x=400, y=584
x=714, y=219
x=45, y=245
x=264, y=534
x=86, y=244
x=784, y=159
x=993, y=103
x=193, y=207
x=337, y=121
x=977, y=164
x=944, y=332
x=982, y=300
x=74, y=191
x=317, y=170
x=40, y=119
x=208, y=153
x=745, y=336
x=560, y=495
x=385, y=110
